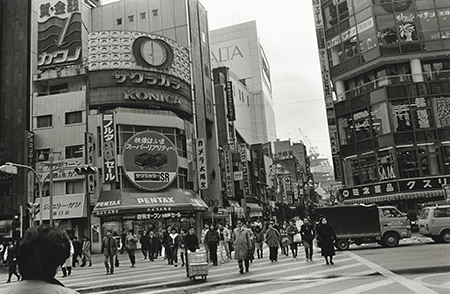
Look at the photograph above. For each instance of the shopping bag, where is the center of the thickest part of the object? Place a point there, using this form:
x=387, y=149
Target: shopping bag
x=297, y=238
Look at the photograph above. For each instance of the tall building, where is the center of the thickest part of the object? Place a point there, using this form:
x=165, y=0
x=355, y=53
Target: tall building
x=238, y=47
x=386, y=71
x=109, y=119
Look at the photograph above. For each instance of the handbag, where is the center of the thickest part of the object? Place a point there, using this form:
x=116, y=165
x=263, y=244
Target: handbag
x=297, y=238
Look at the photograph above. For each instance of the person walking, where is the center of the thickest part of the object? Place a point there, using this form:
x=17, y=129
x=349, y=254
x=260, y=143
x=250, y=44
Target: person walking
x=224, y=238
x=292, y=230
x=86, y=251
x=203, y=241
x=191, y=245
x=212, y=241
x=67, y=266
x=173, y=247
x=307, y=232
x=77, y=247
x=123, y=237
x=165, y=243
x=41, y=251
x=11, y=261
x=153, y=245
x=131, y=246
x=259, y=239
x=109, y=250
x=273, y=237
x=145, y=243
x=242, y=244
x=284, y=243
x=181, y=246
x=326, y=238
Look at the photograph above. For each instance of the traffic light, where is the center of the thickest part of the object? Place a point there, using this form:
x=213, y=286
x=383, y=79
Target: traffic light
x=34, y=209
x=86, y=169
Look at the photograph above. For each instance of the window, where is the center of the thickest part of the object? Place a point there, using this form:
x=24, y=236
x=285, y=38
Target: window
x=119, y=21
x=130, y=18
x=143, y=15
x=155, y=12
x=74, y=151
x=74, y=187
x=44, y=121
x=441, y=212
x=74, y=117
x=59, y=88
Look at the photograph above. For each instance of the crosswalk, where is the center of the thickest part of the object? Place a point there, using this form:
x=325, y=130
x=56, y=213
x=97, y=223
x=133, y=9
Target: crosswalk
x=350, y=274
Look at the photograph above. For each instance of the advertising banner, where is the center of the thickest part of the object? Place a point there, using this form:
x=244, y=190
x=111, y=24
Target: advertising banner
x=109, y=148
x=202, y=173
x=150, y=161
x=228, y=165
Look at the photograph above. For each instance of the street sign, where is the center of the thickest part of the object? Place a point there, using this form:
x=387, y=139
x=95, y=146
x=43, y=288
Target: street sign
x=9, y=169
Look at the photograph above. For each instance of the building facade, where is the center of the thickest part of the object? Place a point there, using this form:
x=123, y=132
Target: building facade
x=385, y=71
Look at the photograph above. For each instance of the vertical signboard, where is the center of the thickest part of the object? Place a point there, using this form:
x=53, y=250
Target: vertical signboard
x=30, y=162
x=244, y=168
x=89, y=159
x=230, y=101
x=109, y=148
x=202, y=173
x=229, y=178
x=59, y=32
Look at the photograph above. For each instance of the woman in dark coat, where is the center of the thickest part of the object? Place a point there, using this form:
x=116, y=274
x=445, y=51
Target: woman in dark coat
x=273, y=239
x=212, y=239
x=326, y=238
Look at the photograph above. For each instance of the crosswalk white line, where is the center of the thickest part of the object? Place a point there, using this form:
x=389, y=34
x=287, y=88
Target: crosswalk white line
x=410, y=284
x=366, y=287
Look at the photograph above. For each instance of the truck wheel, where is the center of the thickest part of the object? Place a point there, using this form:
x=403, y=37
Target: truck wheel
x=445, y=236
x=390, y=239
x=342, y=244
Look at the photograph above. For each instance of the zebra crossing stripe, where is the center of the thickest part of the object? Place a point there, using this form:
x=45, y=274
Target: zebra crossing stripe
x=366, y=287
x=410, y=284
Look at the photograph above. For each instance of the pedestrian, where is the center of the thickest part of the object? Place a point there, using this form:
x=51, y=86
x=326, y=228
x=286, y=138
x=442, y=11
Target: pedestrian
x=181, y=246
x=153, y=245
x=212, y=241
x=307, y=232
x=292, y=230
x=284, y=242
x=77, y=247
x=159, y=237
x=131, y=246
x=11, y=260
x=86, y=251
x=272, y=237
x=326, y=238
x=41, y=251
x=259, y=239
x=242, y=244
x=202, y=240
x=251, y=251
x=109, y=250
x=224, y=238
x=67, y=266
x=191, y=245
x=123, y=237
x=145, y=243
x=165, y=242
x=173, y=247
x=230, y=241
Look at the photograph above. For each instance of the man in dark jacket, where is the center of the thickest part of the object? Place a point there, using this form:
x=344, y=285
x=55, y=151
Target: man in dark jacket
x=145, y=243
x=109, y=250
x=191, y=245
x=78, y=249
x=307, y=232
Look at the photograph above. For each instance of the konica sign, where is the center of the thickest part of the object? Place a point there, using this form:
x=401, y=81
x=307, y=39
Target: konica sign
x=150, y=161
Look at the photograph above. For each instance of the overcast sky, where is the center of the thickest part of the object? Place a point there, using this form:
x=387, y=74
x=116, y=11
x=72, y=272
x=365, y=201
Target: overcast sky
x=287, y=34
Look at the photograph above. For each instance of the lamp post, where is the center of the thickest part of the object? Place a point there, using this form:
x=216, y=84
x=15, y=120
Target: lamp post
x=50, y=164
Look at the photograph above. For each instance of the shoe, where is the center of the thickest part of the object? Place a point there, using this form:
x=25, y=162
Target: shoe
x=241, y=271
x=90, y=263
x=175, y=265
x=331, y=262
x=64, y=276
x=327, y=263
x=9, y=281
x=246, y=269
x=18, y=278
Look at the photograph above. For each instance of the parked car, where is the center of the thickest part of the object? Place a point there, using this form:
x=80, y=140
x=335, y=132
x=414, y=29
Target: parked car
x=434, y=222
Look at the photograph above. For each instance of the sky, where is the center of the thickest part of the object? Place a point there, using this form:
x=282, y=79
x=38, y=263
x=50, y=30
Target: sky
x=287, y=33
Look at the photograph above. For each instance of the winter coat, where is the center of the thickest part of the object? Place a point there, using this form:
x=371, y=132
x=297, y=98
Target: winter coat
x=173, y=240
x=326, y=237
x=212, y=236
x=307, y=232
x=145, y=241
x=242, y=243
x=112, y=246
x=273, y=237
x=153, y=243
x=131, y=242
x=226, y=234
x=291, y=231
x=38, y=287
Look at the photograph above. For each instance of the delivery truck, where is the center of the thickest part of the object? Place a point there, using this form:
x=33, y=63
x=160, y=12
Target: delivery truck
x=358, y=224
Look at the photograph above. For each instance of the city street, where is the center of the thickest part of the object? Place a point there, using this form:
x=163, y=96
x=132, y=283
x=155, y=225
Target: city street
x=416, y=266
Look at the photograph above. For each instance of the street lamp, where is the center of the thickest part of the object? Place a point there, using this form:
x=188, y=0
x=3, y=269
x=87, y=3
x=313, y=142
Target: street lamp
x=50, y=164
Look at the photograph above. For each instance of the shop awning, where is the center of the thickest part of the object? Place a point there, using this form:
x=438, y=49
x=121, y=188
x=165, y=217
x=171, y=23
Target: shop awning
x=398, y=196
x=131, y=201
x=255, y=209
x=236, y=208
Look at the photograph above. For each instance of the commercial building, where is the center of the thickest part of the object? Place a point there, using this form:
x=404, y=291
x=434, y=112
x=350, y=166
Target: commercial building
x=112, y=88
x=385, y=70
